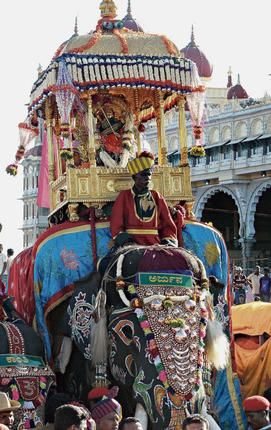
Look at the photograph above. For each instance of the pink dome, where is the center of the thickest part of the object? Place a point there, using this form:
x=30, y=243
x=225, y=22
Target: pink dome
x=192, y=52
x=237, y=91
x=129, y=22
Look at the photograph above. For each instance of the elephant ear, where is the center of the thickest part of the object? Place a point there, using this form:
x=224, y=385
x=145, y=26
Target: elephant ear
x=99, y=336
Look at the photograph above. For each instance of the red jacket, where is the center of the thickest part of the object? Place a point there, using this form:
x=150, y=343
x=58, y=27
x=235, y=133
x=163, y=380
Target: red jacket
x=147, y=231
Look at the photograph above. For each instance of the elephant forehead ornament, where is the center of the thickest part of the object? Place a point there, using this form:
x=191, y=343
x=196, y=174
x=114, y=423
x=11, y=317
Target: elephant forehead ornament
x=172, y=311
x=174, y=322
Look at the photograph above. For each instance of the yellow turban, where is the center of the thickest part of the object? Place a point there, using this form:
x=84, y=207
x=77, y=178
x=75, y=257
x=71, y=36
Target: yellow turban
x=144, y=161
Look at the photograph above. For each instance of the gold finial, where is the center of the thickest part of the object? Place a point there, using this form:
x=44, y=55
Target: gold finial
x=108, y=9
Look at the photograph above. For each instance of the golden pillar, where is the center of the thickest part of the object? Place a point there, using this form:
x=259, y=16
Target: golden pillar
x=161, y=131
x=50, y=143
x=91, y=135
x=138, y=141
x=182, y=132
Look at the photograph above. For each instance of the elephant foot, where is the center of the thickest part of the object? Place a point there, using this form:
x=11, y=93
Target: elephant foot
x=141, y=415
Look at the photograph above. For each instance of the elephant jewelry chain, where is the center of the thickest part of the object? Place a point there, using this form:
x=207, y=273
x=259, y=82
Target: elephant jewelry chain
x=15, y=338
x=174, y=325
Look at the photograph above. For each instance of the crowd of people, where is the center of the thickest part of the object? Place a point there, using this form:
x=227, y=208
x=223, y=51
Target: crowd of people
x=61, y=413
x=256, y=286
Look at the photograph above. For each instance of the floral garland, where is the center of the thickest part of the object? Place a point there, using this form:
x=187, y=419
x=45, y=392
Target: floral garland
x=123, y=41
x=92, y=41
x=152, y=345
x=169, y=45
x=20, y=153
x=64, y=87
x=12, y=169
x=151, y=342
x=197, y=151
x=66, y=154
x=58, y=51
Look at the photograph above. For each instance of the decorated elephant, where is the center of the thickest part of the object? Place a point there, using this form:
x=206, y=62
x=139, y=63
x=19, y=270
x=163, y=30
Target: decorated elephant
x=24, y=374
x=157, y=298
x=68, y=253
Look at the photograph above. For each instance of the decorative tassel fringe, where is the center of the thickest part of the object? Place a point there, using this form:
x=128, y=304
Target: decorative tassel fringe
x=216, y=345
x=99, y=336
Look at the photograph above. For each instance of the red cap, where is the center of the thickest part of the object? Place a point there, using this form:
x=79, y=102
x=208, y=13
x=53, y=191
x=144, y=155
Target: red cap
x=256, y=403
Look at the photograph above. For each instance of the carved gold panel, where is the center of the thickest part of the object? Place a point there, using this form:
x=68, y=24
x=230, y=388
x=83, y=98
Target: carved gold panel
x=98, y=185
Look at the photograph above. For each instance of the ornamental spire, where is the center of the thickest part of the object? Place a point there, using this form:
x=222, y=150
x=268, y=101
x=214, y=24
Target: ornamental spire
x=238, y=79
x=76, y=27
x=108, y=9
x=229, y=83
x=129, y=10
x=193, y=43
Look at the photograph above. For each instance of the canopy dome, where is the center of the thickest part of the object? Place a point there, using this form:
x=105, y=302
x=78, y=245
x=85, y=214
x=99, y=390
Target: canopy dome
x=112, y=56
x=193, y=52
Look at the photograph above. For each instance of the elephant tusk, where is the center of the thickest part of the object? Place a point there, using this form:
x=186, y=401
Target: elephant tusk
x=124, y=298
x=141, y=415
x=119, y=266
x=175, y=299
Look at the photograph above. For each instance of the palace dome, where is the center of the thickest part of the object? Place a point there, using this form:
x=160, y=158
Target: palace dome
x=237, y=91
x=129, y=22
x=192, y=52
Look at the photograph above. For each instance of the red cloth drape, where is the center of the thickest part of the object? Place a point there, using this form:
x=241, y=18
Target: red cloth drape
x=20, y=284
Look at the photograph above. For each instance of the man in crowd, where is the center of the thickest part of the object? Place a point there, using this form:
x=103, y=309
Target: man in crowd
x=239, y=285
x=71, y=417
x=257, y=412
x=195, y=422
x=130, y=423
x=3, y=266
x=7, y=407
x=52, y=403
x=254, y=281
x=139, y=214
x=265, y=285
x=107, y=414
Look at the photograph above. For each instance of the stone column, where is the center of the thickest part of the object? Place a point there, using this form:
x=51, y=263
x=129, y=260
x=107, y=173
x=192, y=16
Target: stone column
x=246, y=249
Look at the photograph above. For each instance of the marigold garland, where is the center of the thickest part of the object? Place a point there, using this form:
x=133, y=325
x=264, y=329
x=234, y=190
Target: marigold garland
x=58, y=51
x=123, y=41
x=92, y=41
x=169, y=45
x=12, y=169
x=197, y=151
x=66, y=154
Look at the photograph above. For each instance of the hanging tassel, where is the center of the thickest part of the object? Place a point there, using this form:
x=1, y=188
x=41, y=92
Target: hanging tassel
x=99, y=336
x=216, y=345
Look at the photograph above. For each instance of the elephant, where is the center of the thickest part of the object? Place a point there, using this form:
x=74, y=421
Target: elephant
x=24, y=375
x=68, y=253
x=134, y=361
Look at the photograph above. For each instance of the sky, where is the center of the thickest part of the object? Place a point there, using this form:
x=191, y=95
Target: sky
x=231, y=33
